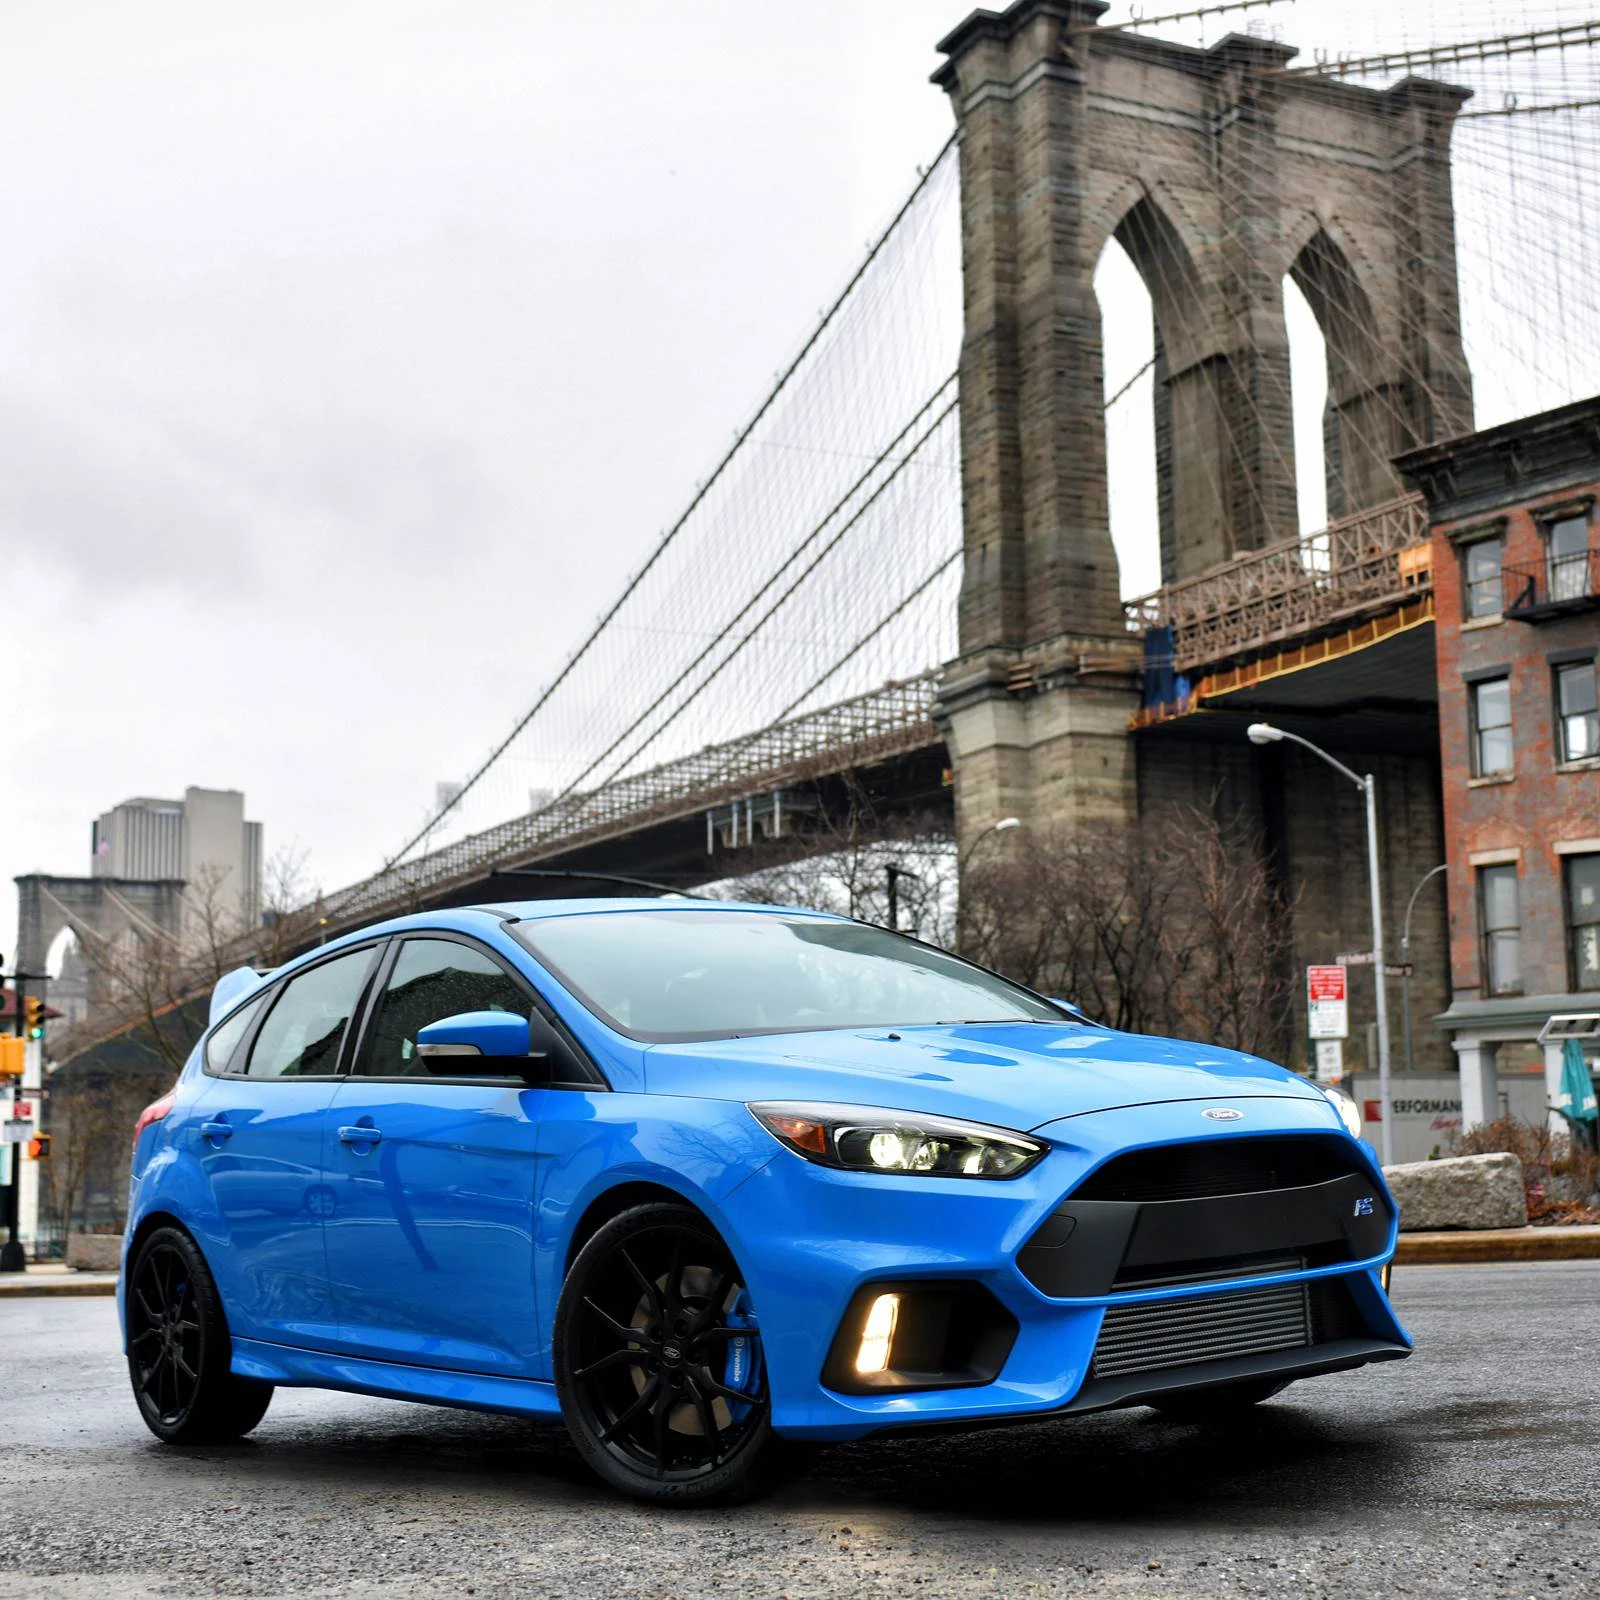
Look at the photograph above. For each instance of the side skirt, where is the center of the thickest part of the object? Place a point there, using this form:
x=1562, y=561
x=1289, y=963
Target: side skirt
x=312, y=1369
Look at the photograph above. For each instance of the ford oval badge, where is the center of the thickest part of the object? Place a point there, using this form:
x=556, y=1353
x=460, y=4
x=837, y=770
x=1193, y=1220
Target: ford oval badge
x=1222, y=1113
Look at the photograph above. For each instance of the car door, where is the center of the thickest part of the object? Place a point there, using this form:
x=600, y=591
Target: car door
x=431, y=1163
x=259, y=1139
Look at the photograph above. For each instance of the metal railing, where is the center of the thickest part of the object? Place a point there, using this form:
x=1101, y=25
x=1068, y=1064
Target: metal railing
x=1269, y=597
x=1553, y=586
x=892, y=720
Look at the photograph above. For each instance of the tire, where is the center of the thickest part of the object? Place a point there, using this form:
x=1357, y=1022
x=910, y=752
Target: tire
x=1225, y=1403
x=179, y=1349
x=659, y=1367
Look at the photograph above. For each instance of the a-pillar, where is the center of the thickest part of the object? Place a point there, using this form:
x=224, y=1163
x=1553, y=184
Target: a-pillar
x=1036, y=706
x=1480, y=1087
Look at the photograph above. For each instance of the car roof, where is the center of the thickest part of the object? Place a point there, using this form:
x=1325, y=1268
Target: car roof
x=534, y=910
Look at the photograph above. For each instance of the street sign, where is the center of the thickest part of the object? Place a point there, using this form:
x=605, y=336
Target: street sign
x=1330, y=1060
x=16, y=1130
x=1391, y=969
x=1327, y=1003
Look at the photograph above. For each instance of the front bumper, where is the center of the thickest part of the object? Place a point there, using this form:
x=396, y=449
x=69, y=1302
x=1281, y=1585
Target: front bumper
x=812, y=1239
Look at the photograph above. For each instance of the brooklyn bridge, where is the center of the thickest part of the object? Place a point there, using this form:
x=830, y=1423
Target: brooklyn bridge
x=897, y=595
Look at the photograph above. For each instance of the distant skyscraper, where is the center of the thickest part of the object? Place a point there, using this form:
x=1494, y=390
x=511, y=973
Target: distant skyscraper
x=202, y=839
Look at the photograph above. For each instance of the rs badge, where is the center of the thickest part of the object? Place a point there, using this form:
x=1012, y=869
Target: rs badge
x=1364, y=1206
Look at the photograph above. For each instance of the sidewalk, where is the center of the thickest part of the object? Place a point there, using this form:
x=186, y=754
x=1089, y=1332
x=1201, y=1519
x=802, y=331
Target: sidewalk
x=1499, y=1244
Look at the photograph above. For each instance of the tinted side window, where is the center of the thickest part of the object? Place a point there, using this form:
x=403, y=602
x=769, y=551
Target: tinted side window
x=433, y=979
x=222, y=1044
x=306, y=1026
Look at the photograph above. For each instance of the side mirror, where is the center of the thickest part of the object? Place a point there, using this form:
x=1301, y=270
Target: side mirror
x=497, y=1035
x=1071, y=1009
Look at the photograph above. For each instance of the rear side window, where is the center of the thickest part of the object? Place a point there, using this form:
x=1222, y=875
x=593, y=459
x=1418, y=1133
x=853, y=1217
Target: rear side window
x=306, y=1025
x=224, y=1042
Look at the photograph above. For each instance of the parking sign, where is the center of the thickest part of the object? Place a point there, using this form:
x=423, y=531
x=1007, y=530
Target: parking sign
x=1327, y=1003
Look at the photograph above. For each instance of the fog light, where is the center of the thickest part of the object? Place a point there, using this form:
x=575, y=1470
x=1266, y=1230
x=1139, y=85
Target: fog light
x=878, y=1334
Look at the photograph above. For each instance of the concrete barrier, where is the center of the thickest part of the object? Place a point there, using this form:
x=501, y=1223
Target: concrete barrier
x=1462, y=1192
x=94, y=1252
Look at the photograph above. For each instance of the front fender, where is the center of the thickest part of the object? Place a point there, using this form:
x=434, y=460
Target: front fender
x=590, y=1144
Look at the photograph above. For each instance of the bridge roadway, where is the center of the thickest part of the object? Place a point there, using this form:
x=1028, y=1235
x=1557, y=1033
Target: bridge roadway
x=709, y=815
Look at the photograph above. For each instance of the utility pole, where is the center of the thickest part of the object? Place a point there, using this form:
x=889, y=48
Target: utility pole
x=13, y=1258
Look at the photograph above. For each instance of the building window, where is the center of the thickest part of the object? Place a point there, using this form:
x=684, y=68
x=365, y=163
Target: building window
x=1480, y=569
x=1501, y=921
x=1491, y=726
x=1568, y=557
x=1583, y=920
x=1576, y=711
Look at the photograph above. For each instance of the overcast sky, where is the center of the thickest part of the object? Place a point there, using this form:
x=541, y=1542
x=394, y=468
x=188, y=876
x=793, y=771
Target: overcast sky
x=353, y=351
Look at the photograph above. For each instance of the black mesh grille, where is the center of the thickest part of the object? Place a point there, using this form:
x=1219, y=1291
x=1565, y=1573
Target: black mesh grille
x=1170, y=1277
x=1216, y=1167
x=1181, y=1333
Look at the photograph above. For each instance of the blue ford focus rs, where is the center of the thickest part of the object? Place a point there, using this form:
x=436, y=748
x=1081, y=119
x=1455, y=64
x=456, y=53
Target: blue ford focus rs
x=709, y=1181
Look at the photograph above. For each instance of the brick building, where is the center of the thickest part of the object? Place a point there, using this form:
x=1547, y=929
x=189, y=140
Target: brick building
x=1516, y=571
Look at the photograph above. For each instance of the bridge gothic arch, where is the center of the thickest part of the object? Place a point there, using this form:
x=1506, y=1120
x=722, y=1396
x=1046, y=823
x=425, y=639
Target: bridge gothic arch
x=1207, y=165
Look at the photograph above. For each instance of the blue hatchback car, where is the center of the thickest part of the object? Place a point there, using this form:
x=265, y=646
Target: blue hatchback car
x=709, y=1181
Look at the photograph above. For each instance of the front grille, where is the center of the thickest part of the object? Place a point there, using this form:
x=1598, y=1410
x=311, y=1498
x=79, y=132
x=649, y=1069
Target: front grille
x=1253, y=1267
x=1212, y=1167
x=1213, y=1327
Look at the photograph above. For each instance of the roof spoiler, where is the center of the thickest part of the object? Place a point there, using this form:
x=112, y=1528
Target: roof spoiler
x=233, y=986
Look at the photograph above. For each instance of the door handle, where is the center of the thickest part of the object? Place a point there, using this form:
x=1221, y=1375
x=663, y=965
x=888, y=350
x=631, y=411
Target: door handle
x=360, y=1135
x=216, y=1130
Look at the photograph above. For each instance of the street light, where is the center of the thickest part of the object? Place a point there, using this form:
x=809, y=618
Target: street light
x=1265, y=733
x=1405, y=955
x=994, y=827
x=894, y=874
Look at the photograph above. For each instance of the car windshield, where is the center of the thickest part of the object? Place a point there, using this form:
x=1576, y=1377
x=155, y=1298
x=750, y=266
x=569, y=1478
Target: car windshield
x=686, y=975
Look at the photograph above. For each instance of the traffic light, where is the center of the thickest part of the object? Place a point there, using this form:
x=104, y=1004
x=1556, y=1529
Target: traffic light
x=39, y=1147
x=33, y=1016
x=13, y=1052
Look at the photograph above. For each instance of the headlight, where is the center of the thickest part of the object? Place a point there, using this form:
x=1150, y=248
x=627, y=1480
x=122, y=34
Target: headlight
x=868, y=1139
x=1349, y=1111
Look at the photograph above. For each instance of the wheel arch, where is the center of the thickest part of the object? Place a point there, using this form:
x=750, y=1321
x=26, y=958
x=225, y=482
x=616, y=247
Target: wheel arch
x=622, y=1197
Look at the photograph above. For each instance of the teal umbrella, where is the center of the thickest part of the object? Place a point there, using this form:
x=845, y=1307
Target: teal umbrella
x=1576, y=1101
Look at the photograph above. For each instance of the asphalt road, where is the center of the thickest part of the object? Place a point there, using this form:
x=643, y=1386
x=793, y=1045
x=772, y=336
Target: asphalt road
x=1472, y=1469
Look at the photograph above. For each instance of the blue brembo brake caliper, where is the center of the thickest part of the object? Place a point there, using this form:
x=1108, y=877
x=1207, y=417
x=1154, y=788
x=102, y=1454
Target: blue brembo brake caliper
x=742, y=1369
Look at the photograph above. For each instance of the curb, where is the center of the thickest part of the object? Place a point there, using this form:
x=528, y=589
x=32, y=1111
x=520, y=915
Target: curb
x=1498, y=1244
x=28, y=1287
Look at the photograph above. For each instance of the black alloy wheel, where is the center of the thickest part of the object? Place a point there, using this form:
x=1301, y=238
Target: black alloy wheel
x=659, y=1363
x=179, y=1351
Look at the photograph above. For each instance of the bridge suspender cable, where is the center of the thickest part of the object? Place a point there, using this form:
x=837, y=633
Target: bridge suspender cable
x=688, y=511
x=767, y=615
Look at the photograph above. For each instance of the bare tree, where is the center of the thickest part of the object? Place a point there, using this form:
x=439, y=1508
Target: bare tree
x=844, y=864
x=1174, y=926
x=151, y=982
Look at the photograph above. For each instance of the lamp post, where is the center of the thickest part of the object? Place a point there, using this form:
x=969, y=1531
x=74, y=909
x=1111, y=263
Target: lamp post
x=1265, y=733
x=894, y=874
x=1405, y=955
x=1001, y=826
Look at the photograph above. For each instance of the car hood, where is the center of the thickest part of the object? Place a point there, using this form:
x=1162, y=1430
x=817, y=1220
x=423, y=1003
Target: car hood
x=1017, y=1075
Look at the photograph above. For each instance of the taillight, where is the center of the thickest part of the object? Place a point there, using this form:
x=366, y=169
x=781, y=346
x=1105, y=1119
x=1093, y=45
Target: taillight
x=154, y=1112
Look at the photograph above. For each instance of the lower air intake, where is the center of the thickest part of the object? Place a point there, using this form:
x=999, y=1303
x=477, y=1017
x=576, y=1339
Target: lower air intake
x=1213, y=1327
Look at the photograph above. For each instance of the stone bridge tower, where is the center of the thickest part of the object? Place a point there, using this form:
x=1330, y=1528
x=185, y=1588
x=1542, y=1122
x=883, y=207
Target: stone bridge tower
x=1220, y=171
